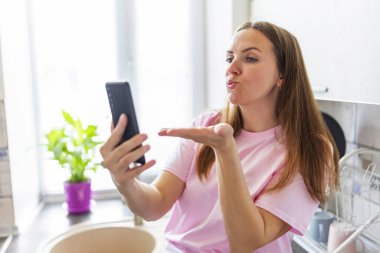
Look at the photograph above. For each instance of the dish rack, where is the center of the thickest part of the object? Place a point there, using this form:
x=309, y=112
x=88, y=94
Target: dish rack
x=357, y=202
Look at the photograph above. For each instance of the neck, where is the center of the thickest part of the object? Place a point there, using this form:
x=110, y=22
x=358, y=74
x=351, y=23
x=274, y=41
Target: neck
x=258, y=118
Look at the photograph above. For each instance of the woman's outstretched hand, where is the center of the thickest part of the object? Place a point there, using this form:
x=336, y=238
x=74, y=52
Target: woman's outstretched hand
x=117, y=159
x=219, y=137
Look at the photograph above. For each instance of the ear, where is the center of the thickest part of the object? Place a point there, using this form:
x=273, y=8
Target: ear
x=279, y=82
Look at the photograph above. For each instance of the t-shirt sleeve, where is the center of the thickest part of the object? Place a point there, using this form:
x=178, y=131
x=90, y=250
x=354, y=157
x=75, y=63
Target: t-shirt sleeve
x=180, y=161
x=293, y=204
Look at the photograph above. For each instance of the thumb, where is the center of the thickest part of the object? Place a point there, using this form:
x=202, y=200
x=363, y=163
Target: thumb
x=223, y=130
x=121, y=118
x=120, y=126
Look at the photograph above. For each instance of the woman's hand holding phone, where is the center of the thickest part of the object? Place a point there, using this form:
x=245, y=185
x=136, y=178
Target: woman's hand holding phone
x=118, y=158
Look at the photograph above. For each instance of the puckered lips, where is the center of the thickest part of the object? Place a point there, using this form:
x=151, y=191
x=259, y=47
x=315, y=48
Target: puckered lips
x=231, y=84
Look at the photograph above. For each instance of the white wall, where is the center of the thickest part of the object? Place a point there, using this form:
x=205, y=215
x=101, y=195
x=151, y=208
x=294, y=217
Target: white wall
x=19, y=107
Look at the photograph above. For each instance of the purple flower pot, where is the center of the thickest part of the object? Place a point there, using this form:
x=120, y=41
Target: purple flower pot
x=78, y=196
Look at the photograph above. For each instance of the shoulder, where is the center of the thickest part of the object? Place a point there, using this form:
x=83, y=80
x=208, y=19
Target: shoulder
x=207, y=118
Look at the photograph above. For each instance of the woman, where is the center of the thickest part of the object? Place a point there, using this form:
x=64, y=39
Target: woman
x=246, y=178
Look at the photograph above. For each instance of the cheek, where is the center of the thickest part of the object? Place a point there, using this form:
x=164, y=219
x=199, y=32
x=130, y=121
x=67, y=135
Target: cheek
x=263, y=76
x=257, y=77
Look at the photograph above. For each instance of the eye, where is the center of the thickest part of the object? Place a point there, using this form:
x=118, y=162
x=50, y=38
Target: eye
x=229, y=59
x=251, y=59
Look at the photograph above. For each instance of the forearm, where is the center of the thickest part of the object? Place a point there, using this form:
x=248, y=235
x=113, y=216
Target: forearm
x=243, y=222
x=143, y=200
x=248, y=227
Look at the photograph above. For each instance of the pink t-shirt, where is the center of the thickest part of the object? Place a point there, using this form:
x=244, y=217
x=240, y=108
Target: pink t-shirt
x=196, y=222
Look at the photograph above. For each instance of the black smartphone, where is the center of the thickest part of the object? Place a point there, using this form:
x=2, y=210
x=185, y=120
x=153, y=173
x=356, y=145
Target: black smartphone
x=120, y=99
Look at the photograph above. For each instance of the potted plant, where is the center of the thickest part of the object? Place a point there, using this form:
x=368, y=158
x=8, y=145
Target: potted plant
x=73, y=146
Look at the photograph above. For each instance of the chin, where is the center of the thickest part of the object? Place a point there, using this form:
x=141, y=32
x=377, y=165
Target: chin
x=232, y=103
x=231, y=98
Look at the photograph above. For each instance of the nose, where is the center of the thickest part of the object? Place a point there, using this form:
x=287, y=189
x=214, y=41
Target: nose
x=233, y=68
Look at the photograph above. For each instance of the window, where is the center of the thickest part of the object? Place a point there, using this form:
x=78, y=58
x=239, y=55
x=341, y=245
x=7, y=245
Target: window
x=164, y=70
x=80, y=45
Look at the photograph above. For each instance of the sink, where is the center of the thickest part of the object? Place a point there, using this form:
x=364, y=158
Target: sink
x=101, y=238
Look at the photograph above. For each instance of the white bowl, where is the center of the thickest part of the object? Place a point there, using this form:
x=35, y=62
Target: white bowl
x=101, y=238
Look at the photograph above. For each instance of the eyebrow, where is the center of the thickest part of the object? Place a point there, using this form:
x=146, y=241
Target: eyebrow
x=244, y=50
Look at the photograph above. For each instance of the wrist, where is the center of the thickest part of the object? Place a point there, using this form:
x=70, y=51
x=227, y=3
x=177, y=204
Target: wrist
x=131, y=185
x=127, y=187
x=227, y=147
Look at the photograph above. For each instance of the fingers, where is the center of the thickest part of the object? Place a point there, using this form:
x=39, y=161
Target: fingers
x=188, y=133
x=118, y=158
x=129, y=145
x=112, y=153
x=221, y=129
x=130, y=157
x=125, y=154
x=202, y=135
x=164, y=132
x=138, y=170
x=124, y=176
x=119, y=166
x=214, y=136
x=119, y=130
x=112, y=126
x=116, y=135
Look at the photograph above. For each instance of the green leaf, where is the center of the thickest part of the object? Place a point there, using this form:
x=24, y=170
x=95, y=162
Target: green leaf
x=91, y=131
x=79, y=131
x=74, y=147
x=53, y=137
x=68, y=118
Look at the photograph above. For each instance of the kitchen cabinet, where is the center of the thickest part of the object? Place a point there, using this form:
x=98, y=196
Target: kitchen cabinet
x=339, y=40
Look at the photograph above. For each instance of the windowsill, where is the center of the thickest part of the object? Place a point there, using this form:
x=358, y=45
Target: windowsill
x=53, y=219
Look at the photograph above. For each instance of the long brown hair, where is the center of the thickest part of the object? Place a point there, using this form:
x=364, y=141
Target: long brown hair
x=311, y=150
